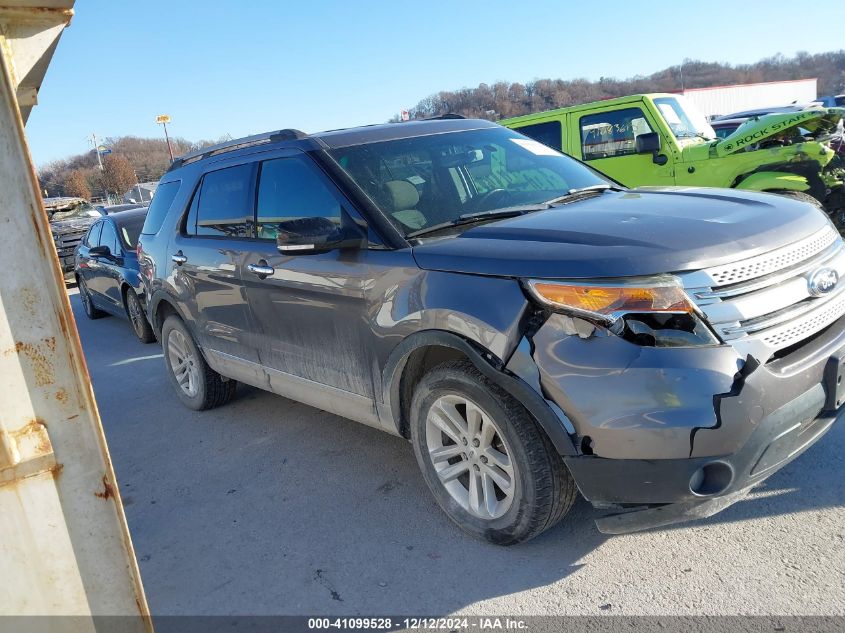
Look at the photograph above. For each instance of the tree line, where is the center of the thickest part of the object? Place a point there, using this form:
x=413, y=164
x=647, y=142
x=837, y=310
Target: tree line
x=135, y=159
x=504, y=99
x=132, y=159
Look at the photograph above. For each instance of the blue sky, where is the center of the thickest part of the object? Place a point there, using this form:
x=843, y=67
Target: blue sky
x=245, y=67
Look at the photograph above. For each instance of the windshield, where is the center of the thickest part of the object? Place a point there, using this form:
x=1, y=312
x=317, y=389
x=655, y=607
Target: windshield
x=683, y=118
x=76, y=213
x=429, y=180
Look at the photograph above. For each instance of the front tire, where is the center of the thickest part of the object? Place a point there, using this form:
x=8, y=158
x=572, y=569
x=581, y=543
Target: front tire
x=197, y=385
x=135, y=311
x=489, y=466
x=801, y=197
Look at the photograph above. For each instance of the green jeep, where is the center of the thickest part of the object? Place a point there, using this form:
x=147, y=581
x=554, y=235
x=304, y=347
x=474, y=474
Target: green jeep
x=662, y=139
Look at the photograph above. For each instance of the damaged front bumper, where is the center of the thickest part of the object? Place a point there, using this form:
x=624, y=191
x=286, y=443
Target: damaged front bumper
x=674, y=434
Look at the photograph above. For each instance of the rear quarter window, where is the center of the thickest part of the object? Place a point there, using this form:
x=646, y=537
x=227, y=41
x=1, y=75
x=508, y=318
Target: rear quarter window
x=163, y=198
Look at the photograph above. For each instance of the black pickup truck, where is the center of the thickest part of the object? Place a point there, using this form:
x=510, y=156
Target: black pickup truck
x=70, y=219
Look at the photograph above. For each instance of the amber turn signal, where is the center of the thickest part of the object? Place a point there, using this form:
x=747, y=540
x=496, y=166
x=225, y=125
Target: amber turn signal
x=609, y=300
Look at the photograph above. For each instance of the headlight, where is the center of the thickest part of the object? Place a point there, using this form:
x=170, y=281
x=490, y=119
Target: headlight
x=653, y=311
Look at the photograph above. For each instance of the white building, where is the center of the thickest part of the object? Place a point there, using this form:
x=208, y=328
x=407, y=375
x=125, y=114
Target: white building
x=142, y=192
x=720, y=100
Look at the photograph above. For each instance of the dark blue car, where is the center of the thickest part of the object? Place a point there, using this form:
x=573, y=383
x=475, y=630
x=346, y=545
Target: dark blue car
x=107, y=272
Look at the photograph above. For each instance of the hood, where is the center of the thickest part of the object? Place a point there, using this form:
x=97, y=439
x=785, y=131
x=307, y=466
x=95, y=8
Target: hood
x=75, y=225
x=646, y=231
x=819, y=121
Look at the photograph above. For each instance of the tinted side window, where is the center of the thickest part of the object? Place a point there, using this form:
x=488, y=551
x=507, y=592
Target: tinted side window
x=93, y=236
x=109, y=238
x=612, y=133
x=224, y=207
x=289, y=189
x=548, y=133
x=163, y=198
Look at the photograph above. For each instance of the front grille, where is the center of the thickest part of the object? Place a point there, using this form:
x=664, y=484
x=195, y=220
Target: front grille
x=67, y=243
x=763, y=304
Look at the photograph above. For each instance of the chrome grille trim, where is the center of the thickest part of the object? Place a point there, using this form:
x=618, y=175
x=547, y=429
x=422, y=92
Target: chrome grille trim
x=763, y=304
x=773, y=261
x=771, y=279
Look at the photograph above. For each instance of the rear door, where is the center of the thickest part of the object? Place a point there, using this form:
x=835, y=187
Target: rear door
x=605, y=139
x=310, y=311
x=206, y=257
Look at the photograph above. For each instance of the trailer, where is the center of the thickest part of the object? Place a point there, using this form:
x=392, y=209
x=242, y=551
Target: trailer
x=65, y=548
x=720, y=100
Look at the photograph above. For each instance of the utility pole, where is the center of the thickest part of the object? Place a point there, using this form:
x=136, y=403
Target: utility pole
x=164, y=119
x=97, y=149
x=100, y=162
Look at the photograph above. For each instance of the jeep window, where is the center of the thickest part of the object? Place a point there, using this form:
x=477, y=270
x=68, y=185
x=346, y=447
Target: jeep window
x=290, y=189
x=223, y=205
x=165, y=193
x=612, y=133
x=422, y=181
x=683, y=118
x=548, y=133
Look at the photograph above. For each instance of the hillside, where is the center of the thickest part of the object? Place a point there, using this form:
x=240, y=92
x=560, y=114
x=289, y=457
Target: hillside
x=502, y=99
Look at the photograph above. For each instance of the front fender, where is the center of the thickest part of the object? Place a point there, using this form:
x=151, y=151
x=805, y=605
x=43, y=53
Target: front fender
x=533, y=401
x=774, y=181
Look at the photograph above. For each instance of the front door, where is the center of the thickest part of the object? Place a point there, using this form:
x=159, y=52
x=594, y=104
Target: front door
x=309, y=311
x=608, y=143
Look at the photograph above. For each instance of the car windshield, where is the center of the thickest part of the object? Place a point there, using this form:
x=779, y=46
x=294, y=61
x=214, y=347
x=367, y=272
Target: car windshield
x=683, y=118
x=427, y=181
x=75, y=213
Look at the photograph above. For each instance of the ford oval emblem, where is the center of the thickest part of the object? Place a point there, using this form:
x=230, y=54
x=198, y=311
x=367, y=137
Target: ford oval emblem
x=823, y=281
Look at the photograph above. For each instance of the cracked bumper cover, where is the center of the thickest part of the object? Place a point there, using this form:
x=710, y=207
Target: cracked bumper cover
x=661, y=419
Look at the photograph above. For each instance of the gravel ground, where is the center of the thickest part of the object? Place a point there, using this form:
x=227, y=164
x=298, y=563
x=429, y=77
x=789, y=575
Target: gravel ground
x=267, y=506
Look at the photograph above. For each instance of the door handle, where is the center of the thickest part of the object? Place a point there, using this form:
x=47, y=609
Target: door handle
x=262, y=269
x=179, y=258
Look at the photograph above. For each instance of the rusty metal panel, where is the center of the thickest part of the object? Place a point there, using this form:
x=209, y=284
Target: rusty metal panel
x=63, y=534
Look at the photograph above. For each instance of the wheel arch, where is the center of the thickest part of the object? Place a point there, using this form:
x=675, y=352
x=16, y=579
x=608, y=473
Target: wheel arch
x=161, y=306
x=423, y=351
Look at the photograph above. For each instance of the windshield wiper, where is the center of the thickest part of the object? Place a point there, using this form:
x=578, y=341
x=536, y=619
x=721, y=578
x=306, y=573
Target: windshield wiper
x=470, y=218
x=574, y=193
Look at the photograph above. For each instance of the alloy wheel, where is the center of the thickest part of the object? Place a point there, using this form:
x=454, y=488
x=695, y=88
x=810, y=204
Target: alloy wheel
x=183, y=363
x=470, y=456
x=83, y=296
x=136, y=315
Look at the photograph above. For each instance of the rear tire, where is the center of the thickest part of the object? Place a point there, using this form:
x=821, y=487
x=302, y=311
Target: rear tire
x=135, y=311
x=197, y=385
x=87, y=304
x=464, y=427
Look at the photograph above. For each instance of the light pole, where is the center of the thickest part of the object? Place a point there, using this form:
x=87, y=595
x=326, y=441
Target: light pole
x=164, y=119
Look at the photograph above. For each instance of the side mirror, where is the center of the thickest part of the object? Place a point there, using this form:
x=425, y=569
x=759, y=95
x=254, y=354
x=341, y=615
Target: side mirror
x=309, y=236
x=99, y=251
x=649, y=143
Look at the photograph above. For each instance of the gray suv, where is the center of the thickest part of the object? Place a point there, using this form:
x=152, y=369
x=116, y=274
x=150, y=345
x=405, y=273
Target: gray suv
x=533, y=328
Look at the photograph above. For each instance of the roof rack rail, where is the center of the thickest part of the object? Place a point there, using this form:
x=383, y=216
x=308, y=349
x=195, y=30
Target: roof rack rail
x=448, y=115
x=288, y=134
